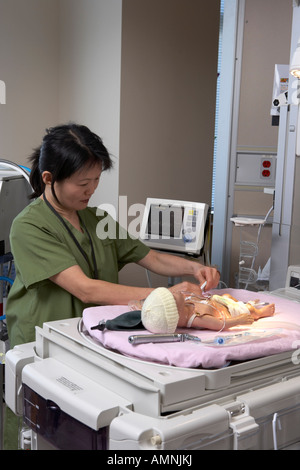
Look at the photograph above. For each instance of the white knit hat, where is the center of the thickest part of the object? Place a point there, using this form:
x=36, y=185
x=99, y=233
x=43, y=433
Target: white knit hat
x=159, y=312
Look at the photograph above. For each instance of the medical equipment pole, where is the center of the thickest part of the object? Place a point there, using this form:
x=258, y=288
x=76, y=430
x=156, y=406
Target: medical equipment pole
x=285, y=237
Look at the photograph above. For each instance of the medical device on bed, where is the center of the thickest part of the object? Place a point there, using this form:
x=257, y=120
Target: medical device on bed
x=76, y=393
x=172, y=225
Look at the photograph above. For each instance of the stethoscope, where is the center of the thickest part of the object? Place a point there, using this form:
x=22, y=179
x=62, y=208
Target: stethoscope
x=94, y=269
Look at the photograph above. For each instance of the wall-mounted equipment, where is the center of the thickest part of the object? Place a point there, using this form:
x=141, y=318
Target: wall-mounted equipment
x=255, y=169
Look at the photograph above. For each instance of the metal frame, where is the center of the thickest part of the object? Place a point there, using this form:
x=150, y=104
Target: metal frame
x=234, y=11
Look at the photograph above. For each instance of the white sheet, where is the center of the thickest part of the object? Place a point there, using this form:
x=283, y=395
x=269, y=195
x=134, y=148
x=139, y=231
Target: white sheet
x=283, y=334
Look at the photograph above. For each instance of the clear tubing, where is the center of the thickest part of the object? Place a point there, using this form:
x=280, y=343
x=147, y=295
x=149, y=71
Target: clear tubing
x=240, y=338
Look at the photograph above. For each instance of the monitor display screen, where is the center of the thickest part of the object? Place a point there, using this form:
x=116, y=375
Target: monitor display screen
x=165, y=221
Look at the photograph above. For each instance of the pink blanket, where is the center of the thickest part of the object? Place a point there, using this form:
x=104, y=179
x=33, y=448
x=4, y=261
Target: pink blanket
x=265, y=337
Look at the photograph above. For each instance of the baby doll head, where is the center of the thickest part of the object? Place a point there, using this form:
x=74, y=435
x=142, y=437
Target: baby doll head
x=160, y=312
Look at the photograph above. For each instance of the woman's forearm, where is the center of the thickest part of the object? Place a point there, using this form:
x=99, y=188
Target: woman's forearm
x=107, y=293
x=94, y=291
x=169, y=265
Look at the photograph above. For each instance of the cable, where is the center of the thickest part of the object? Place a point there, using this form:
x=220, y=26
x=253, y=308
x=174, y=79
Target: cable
x=258, y=237
x=10, y=281
x=6, y=279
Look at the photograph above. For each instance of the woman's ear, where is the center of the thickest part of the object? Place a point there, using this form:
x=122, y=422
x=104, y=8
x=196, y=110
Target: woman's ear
x=47, y=177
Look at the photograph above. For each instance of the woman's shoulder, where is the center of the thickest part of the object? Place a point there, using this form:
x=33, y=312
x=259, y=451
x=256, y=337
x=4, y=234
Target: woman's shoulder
x=35, y=214
x=96, y=213
x=31, y=210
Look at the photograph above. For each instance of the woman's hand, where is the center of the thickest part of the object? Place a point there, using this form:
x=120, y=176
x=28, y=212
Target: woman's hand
x=188, y=287
x=208, y=275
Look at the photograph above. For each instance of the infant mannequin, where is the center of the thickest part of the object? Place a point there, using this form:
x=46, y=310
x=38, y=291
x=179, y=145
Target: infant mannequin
x=163, y=312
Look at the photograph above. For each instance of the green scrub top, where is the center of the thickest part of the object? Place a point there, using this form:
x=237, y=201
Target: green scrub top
x=42, y=247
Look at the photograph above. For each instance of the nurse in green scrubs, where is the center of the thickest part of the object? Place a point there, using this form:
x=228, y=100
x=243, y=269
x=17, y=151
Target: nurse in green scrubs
x=62, y=263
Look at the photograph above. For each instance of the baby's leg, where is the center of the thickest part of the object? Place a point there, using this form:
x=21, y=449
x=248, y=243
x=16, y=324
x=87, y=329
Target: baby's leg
x=265, y=311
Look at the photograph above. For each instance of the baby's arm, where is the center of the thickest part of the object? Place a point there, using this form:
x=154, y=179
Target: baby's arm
x=212, y=323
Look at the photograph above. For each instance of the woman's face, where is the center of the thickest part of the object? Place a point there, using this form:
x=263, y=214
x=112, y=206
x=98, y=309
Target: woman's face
x=75, y=192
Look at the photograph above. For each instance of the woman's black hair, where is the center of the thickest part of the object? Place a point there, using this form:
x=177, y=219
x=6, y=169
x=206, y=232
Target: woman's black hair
x=66, y=149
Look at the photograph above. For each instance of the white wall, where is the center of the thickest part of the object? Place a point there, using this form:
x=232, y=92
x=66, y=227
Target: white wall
x=60, y=61
x=90, y=74
x=29, y=67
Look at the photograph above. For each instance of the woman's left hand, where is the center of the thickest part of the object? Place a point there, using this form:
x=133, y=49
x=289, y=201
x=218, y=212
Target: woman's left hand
x=208, y=275
x=203, y=274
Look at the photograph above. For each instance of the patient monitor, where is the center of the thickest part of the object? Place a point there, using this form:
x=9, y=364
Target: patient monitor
x=177, y=226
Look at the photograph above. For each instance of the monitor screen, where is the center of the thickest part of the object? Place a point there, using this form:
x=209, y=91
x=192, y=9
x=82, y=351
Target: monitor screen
x=165, y=221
